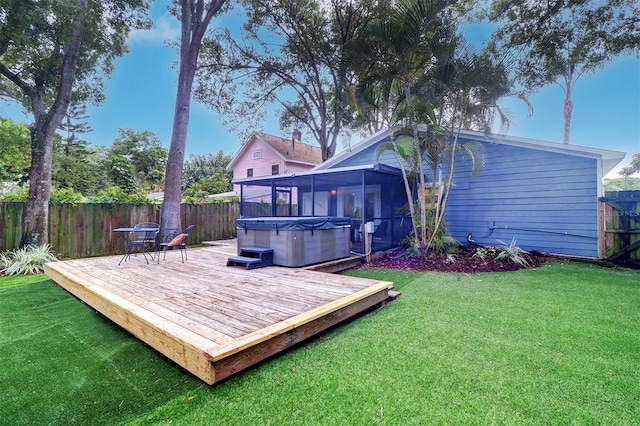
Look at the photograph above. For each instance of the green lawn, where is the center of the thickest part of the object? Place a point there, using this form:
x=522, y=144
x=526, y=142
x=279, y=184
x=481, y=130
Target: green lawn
x=556, y=345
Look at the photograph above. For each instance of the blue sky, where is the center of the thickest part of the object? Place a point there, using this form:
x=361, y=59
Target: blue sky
x=141, y=95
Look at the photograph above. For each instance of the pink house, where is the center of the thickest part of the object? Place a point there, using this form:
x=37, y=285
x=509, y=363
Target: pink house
x=267, y=155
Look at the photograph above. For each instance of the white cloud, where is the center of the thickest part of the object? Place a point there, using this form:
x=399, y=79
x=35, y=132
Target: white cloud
x=165, y=28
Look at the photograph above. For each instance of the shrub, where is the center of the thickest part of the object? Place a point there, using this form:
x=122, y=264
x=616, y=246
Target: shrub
x=66, y=196
x=26, y=260
x=513, y=252
x=20, y=196
x=115, y=195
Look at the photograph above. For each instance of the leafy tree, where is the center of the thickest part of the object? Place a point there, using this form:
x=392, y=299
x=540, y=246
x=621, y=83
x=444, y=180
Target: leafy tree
x=74, y=124
x=121, y=173
x=467, y=96
x=201, y=167
x=621, y=184
x=51, y=52
x=195, y=17
x=199, y=191
x=286, y=55
x=84, y=173
x=633, y=167
x=562, y=40
x=428, y=86
x=76, y=165
x=14, y=151
x=146, y=157
x=390, y=58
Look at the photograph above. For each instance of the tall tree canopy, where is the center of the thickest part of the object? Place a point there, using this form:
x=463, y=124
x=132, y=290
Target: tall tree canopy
x=144, y=151
x=201, y=167
x=561, y=40
x=14, y=151
x=417, y=76
x=633, y=167
x=195, y=17
x=76, y=164
x=51, y=51
x=285, y=57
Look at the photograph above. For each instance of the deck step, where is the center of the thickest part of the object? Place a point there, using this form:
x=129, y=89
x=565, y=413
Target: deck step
x=252, y=258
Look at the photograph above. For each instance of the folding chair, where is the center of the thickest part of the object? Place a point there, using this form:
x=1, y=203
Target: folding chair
x=142, y=238
x=178, y=241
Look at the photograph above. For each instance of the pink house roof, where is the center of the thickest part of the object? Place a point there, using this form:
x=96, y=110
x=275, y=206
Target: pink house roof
x=292, y=153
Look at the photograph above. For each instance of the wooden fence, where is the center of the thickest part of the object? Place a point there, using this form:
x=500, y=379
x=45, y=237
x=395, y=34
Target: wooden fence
x=622, y=226
x=85, y=230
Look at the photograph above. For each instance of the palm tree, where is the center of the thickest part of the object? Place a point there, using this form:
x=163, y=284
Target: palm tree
x=391, y=57
x=429, y=87
x=471, y=86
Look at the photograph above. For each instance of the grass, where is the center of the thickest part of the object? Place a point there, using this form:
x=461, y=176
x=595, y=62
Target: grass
x=556, y=345
x=64, y=364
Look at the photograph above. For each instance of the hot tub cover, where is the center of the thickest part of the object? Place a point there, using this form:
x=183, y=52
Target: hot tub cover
x=293, y=223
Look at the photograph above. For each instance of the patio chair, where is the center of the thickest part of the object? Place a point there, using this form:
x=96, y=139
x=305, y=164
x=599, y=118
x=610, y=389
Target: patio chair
x=143, y=238
x=178, y=241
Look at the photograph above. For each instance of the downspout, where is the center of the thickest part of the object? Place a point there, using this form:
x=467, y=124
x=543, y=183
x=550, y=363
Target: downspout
x=602, y=246
x=274, y=201
x=313, y=196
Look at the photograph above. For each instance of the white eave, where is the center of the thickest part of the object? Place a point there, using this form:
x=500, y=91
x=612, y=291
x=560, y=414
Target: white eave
x=609, y=158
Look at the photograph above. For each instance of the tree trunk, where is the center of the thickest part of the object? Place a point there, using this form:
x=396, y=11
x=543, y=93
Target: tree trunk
x=407, y=186
x=568, y=109
x=36, y=223
x=170, y=213
x=37, y=215
x=193, y=27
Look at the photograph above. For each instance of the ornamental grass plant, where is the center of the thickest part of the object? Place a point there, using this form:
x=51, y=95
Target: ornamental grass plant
x=559, y=344
x=26, y=260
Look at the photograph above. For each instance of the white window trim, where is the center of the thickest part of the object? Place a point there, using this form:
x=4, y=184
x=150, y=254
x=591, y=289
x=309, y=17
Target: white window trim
x=257, y=154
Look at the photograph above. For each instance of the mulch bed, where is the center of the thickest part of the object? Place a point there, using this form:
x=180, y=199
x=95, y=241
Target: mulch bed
x=465, y=262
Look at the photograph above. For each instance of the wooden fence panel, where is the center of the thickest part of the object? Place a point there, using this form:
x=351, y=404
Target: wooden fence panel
x=622, y=225
x=215, y=221
x=11, y=222
x=86, y=230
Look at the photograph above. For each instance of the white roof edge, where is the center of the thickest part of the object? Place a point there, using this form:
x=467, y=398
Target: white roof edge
x=609, y=158
x=363, y=144
x=311, y=172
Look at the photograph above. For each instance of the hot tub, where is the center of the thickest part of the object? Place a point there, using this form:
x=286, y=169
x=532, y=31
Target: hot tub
x=297, y=241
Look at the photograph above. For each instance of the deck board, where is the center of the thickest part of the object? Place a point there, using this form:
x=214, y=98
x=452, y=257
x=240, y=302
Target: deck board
x=211, y=319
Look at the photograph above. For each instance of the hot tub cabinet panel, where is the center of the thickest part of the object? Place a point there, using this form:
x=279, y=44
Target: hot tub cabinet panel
x=297, y=241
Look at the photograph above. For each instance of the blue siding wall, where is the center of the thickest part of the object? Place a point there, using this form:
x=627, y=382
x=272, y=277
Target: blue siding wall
x=547, y=201
x=368, y=156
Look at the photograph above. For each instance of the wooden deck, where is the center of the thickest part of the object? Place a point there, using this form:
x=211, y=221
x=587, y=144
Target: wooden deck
x=211, y=319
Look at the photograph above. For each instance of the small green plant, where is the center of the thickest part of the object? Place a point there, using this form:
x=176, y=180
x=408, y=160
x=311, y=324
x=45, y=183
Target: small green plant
x=27, y=260
x=513, y=252
x=484, y=252
x=411, y=245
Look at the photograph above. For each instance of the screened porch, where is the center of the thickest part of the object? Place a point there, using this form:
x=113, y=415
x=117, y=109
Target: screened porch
x=372, y=193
